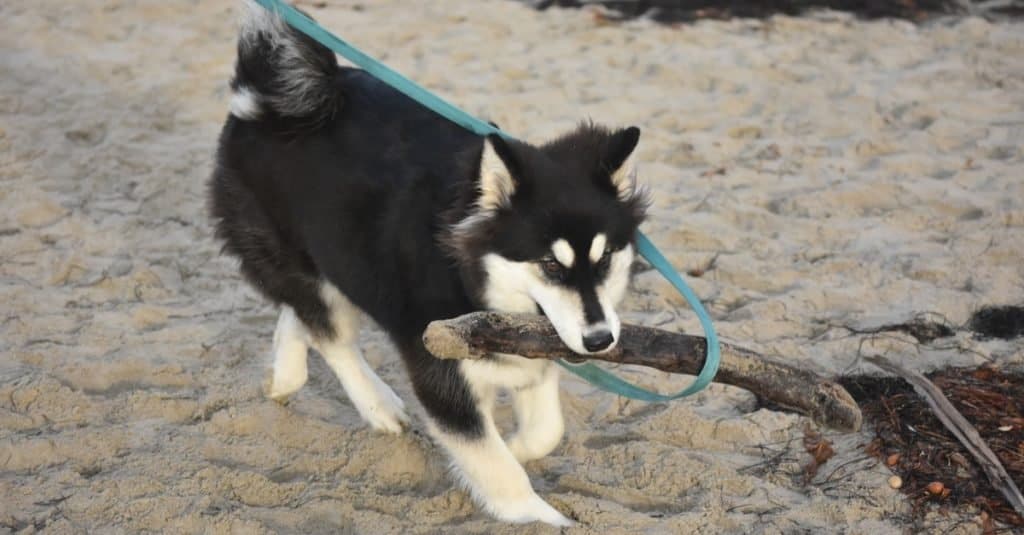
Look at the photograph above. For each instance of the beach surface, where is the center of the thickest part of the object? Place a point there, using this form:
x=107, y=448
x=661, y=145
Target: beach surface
x=825, y=176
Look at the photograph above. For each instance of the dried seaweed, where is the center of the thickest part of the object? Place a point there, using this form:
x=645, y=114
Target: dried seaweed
x=925, y=327
x=821, y=451
x=991, y=399
x=674, y=11
x=998, y=322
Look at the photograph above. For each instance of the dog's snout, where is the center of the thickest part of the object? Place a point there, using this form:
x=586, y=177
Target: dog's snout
x=598, y=340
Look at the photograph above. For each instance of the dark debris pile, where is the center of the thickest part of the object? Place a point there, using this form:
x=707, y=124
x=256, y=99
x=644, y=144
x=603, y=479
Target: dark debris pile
x=998, y=322
x=936, y=470
x=672, y=11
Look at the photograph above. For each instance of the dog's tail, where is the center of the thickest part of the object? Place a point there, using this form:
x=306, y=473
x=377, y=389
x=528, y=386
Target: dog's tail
x=281, y=71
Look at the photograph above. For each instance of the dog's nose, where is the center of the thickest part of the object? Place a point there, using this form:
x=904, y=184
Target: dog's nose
x=598, y=340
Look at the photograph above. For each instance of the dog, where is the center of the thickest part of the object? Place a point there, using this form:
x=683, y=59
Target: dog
x=342, y=197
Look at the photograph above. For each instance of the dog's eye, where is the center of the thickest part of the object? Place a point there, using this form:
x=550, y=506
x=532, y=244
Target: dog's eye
x=602, y=263
x=552, y=268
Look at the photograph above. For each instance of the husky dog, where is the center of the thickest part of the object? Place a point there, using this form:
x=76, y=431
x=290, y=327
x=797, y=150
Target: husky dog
x=342, y=196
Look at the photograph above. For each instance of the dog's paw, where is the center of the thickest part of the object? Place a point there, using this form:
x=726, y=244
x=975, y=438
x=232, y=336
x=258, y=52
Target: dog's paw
x=538, y=439
x=280, y=386
x=533, y=509
x=382, y=408
x=525, y=447
x=521, y=450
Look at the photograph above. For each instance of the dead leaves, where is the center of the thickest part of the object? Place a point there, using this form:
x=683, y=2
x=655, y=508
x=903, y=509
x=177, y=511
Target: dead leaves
x=820, y=450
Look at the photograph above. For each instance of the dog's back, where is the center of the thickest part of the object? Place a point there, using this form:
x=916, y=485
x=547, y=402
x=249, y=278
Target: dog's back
x=322, y=169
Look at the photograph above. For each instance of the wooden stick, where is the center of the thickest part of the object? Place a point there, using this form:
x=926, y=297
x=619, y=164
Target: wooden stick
x=481, y=333
x=961, y=429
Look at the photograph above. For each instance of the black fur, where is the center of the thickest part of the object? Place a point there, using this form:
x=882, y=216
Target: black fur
x=366, y=196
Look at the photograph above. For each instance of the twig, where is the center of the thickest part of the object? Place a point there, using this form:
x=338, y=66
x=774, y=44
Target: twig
x=961, y=429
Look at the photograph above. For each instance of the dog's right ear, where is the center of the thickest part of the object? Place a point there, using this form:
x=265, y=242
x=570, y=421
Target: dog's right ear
x=618, y=161
x=498, y=169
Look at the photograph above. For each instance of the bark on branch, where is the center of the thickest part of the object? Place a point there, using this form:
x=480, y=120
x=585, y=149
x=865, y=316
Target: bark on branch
x=481, y=333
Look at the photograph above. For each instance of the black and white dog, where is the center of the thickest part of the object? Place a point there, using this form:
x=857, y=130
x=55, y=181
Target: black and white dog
x=340, y=195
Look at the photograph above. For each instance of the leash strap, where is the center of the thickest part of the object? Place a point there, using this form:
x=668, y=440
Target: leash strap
x=598, y=377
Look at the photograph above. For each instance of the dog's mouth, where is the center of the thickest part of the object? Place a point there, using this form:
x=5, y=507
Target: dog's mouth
x=575, y=358
x=578, y=331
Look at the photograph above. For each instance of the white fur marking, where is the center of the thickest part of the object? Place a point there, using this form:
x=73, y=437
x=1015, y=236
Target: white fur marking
x=596, y=328
x=611, y=292
x=511, y=371
x=625, y=174
x=376, y=402
x=493, y=477
x=245, y=104
x=506, y=371
x=291, y=346
x=597, y=247
x=625, y=179
x=564, y=308
x=496, y=189
x=496, y=185
x=539, y=413
x=563, y=252
x=519, y=287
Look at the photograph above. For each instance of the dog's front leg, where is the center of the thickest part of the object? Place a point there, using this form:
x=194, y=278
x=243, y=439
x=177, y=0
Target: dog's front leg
x=460, y=409
x=539, y=416
x=493, y=476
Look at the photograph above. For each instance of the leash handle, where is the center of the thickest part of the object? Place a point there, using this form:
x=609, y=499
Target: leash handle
x=598, y=377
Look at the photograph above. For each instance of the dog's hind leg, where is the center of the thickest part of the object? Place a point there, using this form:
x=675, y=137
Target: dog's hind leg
x=291, y=347
x=539, y=415
x=375, y=401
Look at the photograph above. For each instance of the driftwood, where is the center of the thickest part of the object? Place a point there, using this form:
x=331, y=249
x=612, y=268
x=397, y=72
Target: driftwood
x=961, y=429
x=481, y=333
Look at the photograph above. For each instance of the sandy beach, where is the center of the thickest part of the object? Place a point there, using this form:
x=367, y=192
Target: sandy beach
x=824, y=173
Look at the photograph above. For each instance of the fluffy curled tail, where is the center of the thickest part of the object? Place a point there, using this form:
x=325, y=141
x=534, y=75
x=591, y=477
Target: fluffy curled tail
x=281, y=71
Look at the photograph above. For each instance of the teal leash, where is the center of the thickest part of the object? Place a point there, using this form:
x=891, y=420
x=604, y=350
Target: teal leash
x=598, y=377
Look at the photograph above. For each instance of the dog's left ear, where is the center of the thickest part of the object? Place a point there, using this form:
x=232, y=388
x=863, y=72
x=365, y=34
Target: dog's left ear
x=498, y=169
x=617, y=161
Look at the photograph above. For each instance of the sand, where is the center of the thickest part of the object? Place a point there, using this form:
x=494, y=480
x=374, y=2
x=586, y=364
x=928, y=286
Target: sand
x=825, y=171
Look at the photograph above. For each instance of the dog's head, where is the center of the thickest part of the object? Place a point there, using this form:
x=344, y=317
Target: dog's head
x=552, y=230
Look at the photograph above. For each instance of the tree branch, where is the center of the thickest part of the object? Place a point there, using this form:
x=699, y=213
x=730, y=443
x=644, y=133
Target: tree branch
x=478, y=334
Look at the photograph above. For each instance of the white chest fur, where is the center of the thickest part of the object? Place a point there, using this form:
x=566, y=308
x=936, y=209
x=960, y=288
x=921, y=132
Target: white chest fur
x=503, y=292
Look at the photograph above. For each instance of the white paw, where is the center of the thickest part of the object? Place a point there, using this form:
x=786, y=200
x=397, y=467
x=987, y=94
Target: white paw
x=286, y=381
x=382, y=408
x=533, y=509
x=520, y=450
x=534, y=443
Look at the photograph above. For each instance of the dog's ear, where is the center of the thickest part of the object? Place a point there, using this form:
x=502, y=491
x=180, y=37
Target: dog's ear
x=498, y=169
x=617, y=162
